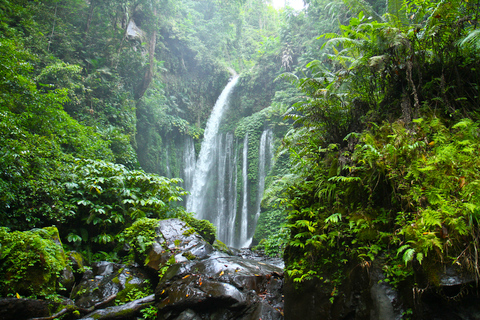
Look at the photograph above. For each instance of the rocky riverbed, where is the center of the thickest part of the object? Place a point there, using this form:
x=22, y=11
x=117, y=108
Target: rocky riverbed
x=187, y=278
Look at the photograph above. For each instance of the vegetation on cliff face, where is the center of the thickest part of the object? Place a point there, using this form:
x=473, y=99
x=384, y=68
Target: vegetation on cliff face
x=384, y=148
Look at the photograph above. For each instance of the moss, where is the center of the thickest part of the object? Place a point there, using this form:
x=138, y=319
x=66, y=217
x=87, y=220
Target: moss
x=139, y=237
x=220, y=246
x=30, y=261
x=77, y=260
x=188, y=232
x=132, y=292
x=189, y=255
x=204, y=227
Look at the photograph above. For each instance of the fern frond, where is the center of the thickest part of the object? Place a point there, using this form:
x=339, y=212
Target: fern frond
x=287, y=76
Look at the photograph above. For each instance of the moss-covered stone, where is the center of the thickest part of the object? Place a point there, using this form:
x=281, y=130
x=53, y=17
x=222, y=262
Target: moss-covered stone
x=189, y=255
x=77, y=261
x=220, y=246
x=204, y=227
x=30, y=261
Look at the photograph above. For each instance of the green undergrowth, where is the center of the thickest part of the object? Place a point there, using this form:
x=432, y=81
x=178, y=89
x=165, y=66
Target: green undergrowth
x=406, y=195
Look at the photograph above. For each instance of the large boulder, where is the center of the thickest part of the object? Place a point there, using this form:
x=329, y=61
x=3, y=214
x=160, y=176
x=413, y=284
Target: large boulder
x=16, y=309
x=221, y=287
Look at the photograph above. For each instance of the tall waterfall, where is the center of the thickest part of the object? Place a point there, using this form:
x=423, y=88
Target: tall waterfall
x=265, y=158
x=244, y=215
x=196, y=201
x=218, y=179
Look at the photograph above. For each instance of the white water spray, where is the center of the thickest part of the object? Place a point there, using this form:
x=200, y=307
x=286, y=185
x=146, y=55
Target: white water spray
x=196, y=200
x=244, y=217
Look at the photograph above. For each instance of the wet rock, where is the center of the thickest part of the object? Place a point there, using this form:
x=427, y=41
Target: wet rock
x=258, y=255
x=221, y=287
x=106, y=279
x=175, y=237
x=222, y=247
x=66, y=281
x=15, y=309
x=453, y=276
x=188, y=315
x=194, y=290
x=386, y=301
x=312, y=299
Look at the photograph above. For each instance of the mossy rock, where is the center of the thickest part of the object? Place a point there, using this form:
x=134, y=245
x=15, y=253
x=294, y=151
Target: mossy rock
x=77, y=260
x=220, y=246
x=203, y=227
x=30, y=261
x=138, y=238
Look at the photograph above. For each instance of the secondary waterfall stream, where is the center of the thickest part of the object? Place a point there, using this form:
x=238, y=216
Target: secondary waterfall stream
x=218, y=180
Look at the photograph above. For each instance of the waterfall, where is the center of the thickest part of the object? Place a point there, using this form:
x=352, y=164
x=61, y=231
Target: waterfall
x=265, y=156
x=207, y=156
x=188, y=163
x=169, y=173
x=225, y=208
x=244, y=216
x=214, y=178
x=232, y=190
x=221, y=175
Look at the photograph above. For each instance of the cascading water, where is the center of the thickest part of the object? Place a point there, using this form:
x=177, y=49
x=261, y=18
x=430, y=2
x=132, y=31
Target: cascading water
x=169, y=173
x=244, y=216
x=233, y=198
x=265, y=158
x=214, y=180
x=198, y=192
x=189, y=163
x=225, y=190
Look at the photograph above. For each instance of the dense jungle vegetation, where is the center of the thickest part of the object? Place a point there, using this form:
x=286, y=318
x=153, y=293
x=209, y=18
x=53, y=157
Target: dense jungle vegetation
x=374, y=107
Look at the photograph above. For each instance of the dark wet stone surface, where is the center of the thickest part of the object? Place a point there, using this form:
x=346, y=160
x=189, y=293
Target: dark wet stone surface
x=122, y=312
x=16, y=309
x=221, y=287
x=203, y=283
x=247, y=253
x=105, y=279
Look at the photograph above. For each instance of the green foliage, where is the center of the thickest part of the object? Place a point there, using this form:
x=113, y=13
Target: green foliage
x=149, y=313
x=369, y=181
x=30, y=261
x=139, y=238
x=133, y=292
x=106, y=195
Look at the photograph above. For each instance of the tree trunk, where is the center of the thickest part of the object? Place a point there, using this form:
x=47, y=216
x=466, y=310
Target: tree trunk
x=90, y=16
x=148, y=75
